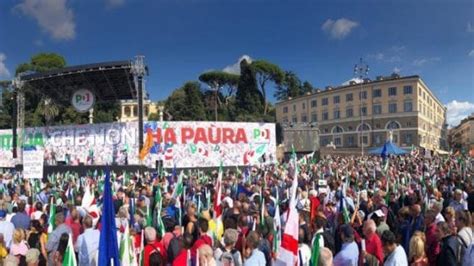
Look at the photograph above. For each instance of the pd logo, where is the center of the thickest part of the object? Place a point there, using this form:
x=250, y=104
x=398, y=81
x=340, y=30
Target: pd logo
x=82, y=100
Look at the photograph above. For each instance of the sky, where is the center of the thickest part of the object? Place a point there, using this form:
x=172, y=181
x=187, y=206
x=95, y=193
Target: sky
x=318, y=40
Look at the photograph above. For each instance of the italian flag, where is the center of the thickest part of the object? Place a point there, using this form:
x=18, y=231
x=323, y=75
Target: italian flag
x=52, y=216
x=277, y=227
x=289, y=245
x=126, y=253
x=69, y=256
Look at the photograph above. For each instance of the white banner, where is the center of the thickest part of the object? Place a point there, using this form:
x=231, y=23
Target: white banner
x=33, y=162
x=180, y=144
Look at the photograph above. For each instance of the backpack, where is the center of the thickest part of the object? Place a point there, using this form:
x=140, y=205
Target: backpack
x=228, y=255
x=173, y=248
x=461, y=250
x=155, y=257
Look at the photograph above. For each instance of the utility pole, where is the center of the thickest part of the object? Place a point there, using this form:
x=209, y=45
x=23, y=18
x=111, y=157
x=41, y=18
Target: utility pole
x=361, y=71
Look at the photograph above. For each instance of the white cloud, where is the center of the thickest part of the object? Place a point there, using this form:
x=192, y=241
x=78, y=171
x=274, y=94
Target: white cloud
x=396, y=70
x=398, y=48
x=469, y=28
x=53, y=17
x=458, y=111
x=235, y=68
x=422, y=61
x=339, y=29
x=471, y=53
x=4, y=73
x=114, y=3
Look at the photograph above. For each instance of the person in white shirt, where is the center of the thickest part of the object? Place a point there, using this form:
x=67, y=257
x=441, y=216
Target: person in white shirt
x=87, y=243
x=6, y=228
x=394, y=254
x=36, y=215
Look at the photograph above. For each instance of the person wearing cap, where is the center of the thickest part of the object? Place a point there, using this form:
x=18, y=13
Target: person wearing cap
x=6, y=228
x=349, y=254
x=87, y=243
x=394, y=254
x=378, y=217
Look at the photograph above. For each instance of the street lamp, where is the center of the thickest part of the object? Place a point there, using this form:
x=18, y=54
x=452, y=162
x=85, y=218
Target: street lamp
x=361, y=71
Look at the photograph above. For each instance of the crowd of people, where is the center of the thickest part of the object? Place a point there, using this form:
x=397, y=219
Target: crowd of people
x=400, y=210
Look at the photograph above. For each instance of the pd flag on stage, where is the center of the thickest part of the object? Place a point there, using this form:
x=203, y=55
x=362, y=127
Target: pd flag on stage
x=108, y=245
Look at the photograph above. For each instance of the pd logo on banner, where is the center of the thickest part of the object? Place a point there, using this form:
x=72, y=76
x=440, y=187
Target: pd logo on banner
x=82, y=100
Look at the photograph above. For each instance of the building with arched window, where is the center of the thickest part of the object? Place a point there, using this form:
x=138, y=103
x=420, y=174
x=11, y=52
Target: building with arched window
x=129, y=110
x=364, y=115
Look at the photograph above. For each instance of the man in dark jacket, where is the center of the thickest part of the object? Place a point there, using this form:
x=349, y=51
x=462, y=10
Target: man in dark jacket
x=449, y=244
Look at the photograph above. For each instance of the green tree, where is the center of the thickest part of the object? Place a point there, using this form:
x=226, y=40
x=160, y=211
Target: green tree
x=307, y=87
x=290, y=87
x=48, y=109
x=266, y=72
x=217, y=81
x=42, y=62
x=186, y=103
x=249, y=100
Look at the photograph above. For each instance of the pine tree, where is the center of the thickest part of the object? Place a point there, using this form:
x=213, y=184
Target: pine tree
x=249, y=100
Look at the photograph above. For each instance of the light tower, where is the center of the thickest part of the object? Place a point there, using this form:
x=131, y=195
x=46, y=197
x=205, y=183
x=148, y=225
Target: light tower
x=139, y=70
x=361, y=71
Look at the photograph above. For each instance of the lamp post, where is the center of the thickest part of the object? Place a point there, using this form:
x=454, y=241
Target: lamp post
x=161, y=108
x=138, y=70
x=17, y=95
x=361, y=71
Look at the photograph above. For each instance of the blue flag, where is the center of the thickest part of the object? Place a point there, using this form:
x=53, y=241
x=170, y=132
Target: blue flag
x=108, y=245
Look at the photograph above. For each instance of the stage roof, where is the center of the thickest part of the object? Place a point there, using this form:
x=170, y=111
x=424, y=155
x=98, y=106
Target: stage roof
x=108, y=81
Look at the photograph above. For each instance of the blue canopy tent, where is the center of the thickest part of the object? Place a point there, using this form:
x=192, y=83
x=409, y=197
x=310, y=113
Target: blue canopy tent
x=388, y=148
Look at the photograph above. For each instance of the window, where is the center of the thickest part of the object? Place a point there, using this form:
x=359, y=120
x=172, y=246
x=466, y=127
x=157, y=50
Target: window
x=285, y=119
x=313, y=103
x=392, y=108
x=350, y=141
x=378, y=139
x=314, y=117
x=376, y=93
x=337, y=129
x=362, y=95
x=294, y=107
x=392, y=91
x=304, y=106
x=377, y=109
x=294, y=119
x=349, y=112
x=337, y=141
x=408, y=139
x=127, y=111
x=324, y=101
x=325, y=116
x=407, y=90
x=349, y=128
x=407, y=107
x=304, y=118
x=337, y=114
x=365, y=140
x=285, y=109
x=393, y=125
x=349, y=97
x=135, y=111
x=336, y=99
x=363, y=111
x=363, y=127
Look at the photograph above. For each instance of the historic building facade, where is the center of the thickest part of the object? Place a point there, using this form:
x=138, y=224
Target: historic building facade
x=129, y=110
x=462, y=136
x=359, y=116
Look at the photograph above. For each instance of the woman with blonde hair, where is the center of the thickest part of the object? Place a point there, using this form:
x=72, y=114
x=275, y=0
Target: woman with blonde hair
x=450, y=217
x=19, y=245
x=206, y=257
x=417, y=255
